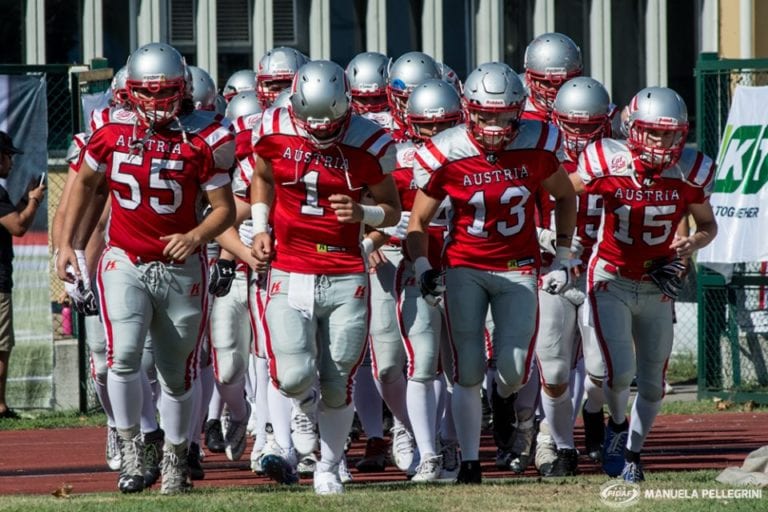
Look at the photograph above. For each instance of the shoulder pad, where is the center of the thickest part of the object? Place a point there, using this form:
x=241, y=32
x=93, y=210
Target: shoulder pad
x=606, y=157
x=536, y=135
x=696, y=168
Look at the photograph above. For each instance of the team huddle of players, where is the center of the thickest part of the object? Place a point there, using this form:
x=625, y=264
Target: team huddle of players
x=276, y=259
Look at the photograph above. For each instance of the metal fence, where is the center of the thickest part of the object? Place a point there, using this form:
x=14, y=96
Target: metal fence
x=65, y=87
x=732, y=317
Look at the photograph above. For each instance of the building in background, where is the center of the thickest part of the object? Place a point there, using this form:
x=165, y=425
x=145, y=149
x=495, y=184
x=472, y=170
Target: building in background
x=627, y=44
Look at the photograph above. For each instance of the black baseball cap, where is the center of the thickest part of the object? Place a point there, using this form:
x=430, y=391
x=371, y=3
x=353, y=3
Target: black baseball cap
x=6, y=145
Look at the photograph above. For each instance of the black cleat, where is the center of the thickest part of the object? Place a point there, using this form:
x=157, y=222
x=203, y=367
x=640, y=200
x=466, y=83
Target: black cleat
x=193, y=462
x=594, y=433
x=470, y=473
x=214, y=439
x=566, y=463
x=504, y=418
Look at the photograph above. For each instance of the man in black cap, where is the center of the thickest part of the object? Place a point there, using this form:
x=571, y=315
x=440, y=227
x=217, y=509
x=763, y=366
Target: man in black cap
x=14, y=221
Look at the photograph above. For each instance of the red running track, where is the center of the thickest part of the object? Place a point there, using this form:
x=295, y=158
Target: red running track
x=40, y=461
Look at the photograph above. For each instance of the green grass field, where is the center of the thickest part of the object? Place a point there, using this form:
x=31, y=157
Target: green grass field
x=570, y=494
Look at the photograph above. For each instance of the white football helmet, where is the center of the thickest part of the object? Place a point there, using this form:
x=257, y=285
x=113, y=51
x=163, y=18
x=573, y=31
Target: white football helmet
x=242, y=104
x=658, y=127
x=156, y=79
x=367, y=75
x=275, y=72
x=550, y=60
x=118, y=87
x=239, y=81
x=203, y=89
x=320, y=102
x=431, y=104
x=408, y=71
x=581, y=111
x=449, y=75
x=493, y=99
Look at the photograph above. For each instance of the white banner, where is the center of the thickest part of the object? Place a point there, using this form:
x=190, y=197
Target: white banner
x=740, y=197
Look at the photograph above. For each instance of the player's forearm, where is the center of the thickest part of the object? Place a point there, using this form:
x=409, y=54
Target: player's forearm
x=417, y=242
x=378, y=238
x=231, y=245
x=81, y=191
x=704, y=234
x=221, y=217
x=565, y=219
x=391, y=213
x=87, y=227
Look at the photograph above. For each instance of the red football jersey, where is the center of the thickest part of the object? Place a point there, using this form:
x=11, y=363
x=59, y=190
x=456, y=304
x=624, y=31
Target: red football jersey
x=589, y=211
x=75, y=153
x=309, y=237
x=640, y=219
x=242, y=127
x=155, y=191
x=492, y=196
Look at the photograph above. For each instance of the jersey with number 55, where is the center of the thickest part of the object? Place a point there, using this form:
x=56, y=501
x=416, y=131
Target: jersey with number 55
x=155, y=179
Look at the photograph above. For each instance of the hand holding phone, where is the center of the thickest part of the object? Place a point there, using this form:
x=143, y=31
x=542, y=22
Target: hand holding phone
x=42, y=180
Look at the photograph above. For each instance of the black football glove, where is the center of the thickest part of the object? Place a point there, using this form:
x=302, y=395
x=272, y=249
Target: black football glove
x=667, y=278
x=222, y=275
x=84, y=302
x=432, y=285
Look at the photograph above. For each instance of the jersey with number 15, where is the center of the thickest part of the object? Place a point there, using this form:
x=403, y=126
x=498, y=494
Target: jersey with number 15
x=641, y=216
x=155, y=189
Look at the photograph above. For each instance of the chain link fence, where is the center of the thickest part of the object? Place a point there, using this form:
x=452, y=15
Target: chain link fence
x=32, y=370
x=732, y=316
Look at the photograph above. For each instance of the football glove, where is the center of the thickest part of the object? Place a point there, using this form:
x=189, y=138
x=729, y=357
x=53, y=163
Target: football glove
x=221, y=277
x=432, y=286
x=558, y=279
x=547, y=240
x=667, y=277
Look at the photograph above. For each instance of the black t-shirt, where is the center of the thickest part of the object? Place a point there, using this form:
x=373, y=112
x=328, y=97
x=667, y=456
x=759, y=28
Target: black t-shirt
x=6, y=244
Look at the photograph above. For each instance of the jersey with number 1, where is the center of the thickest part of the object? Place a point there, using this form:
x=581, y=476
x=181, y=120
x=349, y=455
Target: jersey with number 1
x=155, y=181
x=309, y=237
x=492, y=195
x=641, y=215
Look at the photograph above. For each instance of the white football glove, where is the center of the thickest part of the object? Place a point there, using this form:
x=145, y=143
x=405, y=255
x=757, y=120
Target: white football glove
x=577, y=248
x=558, y=279
x=80, y=292
x=547, y=240
x=399, y=230
x=245, y=230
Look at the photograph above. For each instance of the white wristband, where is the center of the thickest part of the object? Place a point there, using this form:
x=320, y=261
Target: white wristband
x=420, y=266
x=367, y=246
x=372, y=215
x=260, y=217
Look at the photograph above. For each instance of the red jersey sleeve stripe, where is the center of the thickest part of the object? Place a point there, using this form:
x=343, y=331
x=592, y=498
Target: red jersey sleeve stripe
x=601, y=155
x=384, y=149
x=435, y=152
x=542, y=136
x=365, y=146
x=694, y=174
x=587, y=165
x=276, y=122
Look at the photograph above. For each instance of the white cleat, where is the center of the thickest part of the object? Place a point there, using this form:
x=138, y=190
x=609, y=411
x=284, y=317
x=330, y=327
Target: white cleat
x=402, y=448
x=307, y=465
x=546, y=450
x=327, y=483
x=429, y=469
x=113, y=449
x=344, y=475
x=304, y=425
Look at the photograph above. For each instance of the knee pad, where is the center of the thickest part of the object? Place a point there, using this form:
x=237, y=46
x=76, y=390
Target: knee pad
x=389, y=374
x=230, y=367
x=622, y=380
x=334, y=395
x=295, y=380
